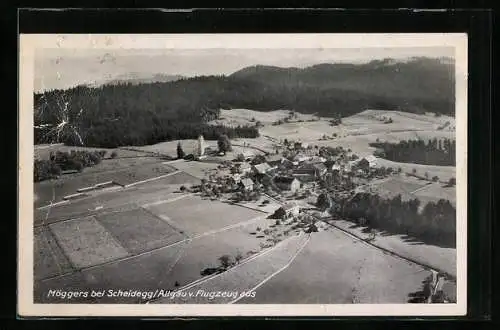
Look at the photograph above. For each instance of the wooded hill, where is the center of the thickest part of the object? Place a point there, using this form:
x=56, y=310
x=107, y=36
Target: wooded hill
x=145, y=113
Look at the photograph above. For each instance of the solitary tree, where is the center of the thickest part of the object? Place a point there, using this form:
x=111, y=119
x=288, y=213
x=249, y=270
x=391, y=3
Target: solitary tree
x=180, y=152
x=224, y=143
x=225, y=261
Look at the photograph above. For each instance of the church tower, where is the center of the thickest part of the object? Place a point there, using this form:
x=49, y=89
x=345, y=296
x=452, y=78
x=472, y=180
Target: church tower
x=201, y=146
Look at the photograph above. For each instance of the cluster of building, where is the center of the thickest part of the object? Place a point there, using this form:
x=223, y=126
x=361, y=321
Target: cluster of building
x=290, y=174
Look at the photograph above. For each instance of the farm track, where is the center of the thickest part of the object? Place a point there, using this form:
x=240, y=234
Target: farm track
x=258, y=255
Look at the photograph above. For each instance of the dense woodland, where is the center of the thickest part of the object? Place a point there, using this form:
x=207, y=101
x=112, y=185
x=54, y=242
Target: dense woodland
x=436, y=222
x=146, y=113
x=433, y=152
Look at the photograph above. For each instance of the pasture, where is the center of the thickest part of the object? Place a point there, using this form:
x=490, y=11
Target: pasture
x=86, y=242
x=43, y=151
x=49, y=260
x=55, y=190
x=199, y=170
x=411, y=187
x=115, y=201
x=245, y=276
x=242, y=117
x=139, y=231
x=442, y=258
x=195, y=215
x=325, y=273
x=181, y=262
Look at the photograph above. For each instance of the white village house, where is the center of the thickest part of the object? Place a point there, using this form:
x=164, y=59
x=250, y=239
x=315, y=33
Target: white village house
x=287, y=183
x=246, y=184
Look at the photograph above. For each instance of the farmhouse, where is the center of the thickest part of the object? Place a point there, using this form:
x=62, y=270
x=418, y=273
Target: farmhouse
x=319, y=169
x=274, y=160
x=291, y=209
x=300, y=158
x=246, y=184
x=243, y=167
x=247, y=155
x=286, y=211
x=335, y=168
x=363, y=164
x=372, y=160
x=317, y=159
x=235, y=179
x=285, y=163
x=261, y=169
x=287, y=183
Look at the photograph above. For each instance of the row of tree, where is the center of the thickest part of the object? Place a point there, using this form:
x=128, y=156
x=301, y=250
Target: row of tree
x=45, y=169
x=431, y=152
x=436, y=221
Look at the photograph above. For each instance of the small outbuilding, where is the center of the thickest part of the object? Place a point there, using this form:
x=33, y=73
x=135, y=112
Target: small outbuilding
x=246, y=184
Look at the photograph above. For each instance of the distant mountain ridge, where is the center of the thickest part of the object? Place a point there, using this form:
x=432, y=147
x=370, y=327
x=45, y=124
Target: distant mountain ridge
x=425, y=78
x=147, y=112
x=138, y=78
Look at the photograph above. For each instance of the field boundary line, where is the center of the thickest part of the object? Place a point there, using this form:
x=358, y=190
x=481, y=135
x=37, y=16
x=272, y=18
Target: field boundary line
x=249, y=259
x=292, y=259
x=186, y=240
x=165, y=201
x=392, y=253
x=151, y=179
x=54, y=204
x=421, y=188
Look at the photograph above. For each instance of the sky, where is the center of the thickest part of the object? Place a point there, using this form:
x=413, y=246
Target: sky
x=57, y=68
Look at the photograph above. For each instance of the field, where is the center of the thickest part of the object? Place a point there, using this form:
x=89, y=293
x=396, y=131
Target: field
x=197, y=169
x=122, y=172
x=181, y=262
x=410, y=188
x=442, y=258
x=244, y=277
x=152, y=236
x=43, y=151
x=333, y=268
x=194, y=215
x=242, y=117
x=86, y=242
x=138, y=230
x=356, y=133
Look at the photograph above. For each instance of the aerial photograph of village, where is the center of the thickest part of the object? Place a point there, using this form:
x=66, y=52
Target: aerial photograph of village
x=255, y=176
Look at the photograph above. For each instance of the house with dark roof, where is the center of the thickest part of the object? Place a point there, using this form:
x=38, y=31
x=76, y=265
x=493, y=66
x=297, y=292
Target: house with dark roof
x=319, y=169
x=287, y=183
x=262, y=168
x=243, y=167
x=274, y=160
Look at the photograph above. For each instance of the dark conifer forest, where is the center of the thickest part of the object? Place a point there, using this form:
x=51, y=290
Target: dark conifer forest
x=147, y=113
x=433, y=152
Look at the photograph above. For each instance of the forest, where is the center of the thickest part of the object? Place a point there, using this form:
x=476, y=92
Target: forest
x=433, y=152
x=146, y=113
x=434, y=223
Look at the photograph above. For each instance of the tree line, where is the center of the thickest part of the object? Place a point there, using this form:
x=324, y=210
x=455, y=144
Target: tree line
x=45, y=169
x=433, y=152
x=435, y=222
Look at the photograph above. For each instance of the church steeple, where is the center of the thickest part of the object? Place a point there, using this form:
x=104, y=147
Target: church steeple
x=201, y=146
